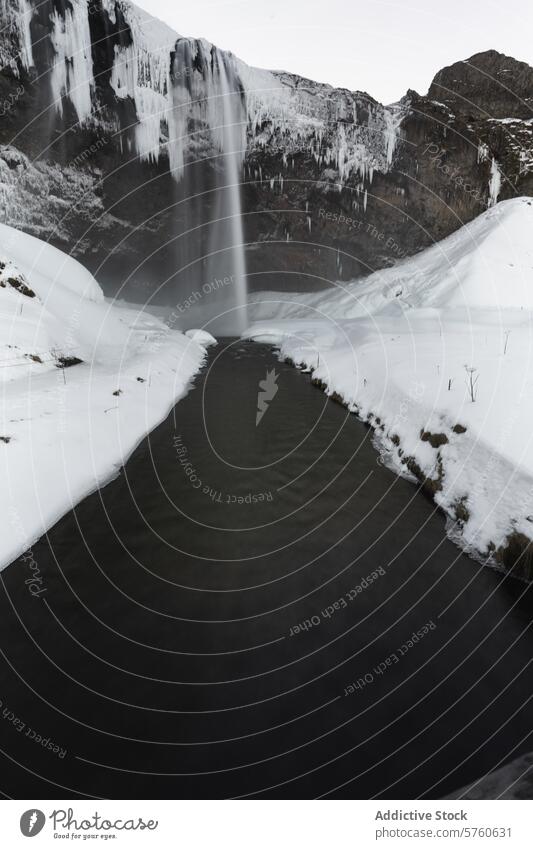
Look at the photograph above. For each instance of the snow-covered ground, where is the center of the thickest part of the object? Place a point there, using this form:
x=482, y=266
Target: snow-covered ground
x=67, y=427
x=436, y=353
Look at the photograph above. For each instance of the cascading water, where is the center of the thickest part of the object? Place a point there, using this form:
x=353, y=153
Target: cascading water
x=207, y=143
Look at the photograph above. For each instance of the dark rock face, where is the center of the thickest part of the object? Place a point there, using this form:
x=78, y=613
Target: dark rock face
x=113, y=154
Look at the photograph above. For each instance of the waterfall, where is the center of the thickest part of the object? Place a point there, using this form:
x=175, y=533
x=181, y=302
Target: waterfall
x=207, y=143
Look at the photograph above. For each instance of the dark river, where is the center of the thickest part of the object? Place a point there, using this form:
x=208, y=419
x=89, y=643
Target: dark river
x=234, y=616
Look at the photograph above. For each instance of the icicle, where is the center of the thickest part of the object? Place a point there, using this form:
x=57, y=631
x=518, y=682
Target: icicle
x=482, y=152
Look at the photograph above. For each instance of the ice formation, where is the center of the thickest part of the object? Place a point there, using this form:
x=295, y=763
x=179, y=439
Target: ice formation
x=72, y=66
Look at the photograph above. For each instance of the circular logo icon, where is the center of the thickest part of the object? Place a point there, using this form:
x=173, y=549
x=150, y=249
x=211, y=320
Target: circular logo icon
x=32, y=822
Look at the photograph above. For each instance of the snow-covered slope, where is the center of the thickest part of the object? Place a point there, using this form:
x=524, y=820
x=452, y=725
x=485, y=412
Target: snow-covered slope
x=437, y=354
x=82, y=381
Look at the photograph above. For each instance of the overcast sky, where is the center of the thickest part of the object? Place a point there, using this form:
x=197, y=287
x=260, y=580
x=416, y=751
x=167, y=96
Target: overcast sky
x=380, y=47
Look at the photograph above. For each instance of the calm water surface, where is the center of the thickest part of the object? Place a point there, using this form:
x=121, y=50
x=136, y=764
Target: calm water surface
x=207, y=614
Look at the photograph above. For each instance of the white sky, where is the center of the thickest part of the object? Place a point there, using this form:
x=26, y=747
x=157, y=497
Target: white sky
x=380, y=47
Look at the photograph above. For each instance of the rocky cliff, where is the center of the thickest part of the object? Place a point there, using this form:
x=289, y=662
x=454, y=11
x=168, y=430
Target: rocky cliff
x=113, y=146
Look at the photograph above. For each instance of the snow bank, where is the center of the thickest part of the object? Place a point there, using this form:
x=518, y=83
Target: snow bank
x=408, y=349
x=82, y=381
